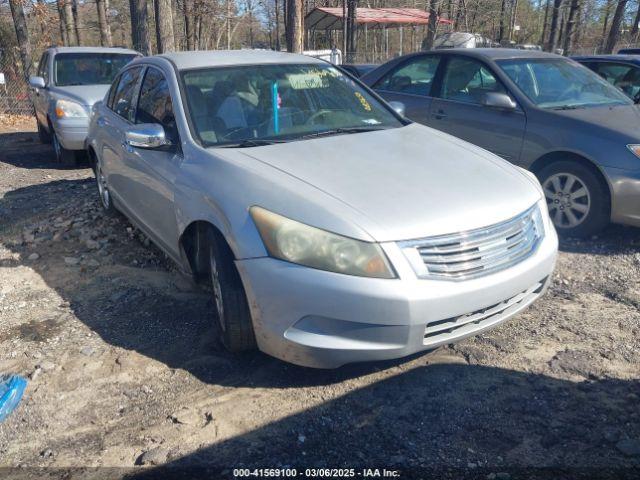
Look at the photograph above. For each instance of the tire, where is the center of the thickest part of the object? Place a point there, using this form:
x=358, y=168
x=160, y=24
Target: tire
x=63, y=156
x=43, y=135
x=232, y=309
x=104, y=196
x=578, y=199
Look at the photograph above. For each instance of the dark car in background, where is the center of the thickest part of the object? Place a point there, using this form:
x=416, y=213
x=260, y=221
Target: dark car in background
x=622, y=71
x=541, y=111
x=629, y=51
x=358, y=69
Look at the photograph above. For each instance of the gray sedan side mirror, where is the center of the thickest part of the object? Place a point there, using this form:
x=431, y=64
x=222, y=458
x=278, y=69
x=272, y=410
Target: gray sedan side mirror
x=146, y=135
x=398, y=107
x=498, y=100
x=36, y=82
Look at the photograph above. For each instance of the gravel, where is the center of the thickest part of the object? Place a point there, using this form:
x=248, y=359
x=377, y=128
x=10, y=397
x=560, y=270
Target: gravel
x=132, y=372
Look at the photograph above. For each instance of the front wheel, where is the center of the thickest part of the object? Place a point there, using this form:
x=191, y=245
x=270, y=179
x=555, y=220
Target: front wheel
x=230, y=299
x=578, y=202
x=63, y=156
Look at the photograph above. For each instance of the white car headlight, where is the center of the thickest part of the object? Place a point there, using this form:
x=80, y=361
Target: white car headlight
x=69, y=109
x=635, y=149
x=312, y=247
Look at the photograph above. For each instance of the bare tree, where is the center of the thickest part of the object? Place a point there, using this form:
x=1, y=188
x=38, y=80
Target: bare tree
x=165, y=38
x=569, y=29
x=189, y=24
x=293, y=29
x=103, y=24
x=431, y=26
x=503, y=8
x=77, y=22
x=61, y=21
x=22, y=33
x=545, y=23
x=550, y=46
x=352, y=6
x=634, y=28
x=69, y=24
x=140, y=26
x=614, y=32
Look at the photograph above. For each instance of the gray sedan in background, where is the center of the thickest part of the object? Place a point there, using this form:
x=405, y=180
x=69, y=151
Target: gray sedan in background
x=331, y=229
x=69, y=81
x=543, y=112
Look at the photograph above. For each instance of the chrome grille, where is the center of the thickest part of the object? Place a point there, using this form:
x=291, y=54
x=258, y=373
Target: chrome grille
x=479, y=252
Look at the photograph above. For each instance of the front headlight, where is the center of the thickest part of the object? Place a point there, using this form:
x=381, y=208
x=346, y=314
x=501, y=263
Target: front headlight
x=298, y=243
x=69, y=109
x=635, y=149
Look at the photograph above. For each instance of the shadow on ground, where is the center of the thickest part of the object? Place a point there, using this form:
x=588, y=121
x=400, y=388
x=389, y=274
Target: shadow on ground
x=473, y=419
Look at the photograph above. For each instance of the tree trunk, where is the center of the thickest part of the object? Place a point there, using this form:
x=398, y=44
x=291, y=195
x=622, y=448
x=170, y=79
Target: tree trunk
x=140, y=26
x=68, y=22
x=103, y=24
x=189, y=24
x=503, y=7
x=614, y=32
x=63, y=31
x=294, y=26
x=545, y=23
x=277, y=2
x=431, y=26
x=634, y=28
x=553, y=29
x=164, y=26
x=77, y=22
x=569, y=29
x=352, y=6
x=20, y=24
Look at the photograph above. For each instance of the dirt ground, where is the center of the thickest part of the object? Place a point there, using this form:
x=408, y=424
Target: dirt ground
x=125, y=368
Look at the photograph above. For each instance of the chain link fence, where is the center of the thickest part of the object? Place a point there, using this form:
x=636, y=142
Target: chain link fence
x=14, y=91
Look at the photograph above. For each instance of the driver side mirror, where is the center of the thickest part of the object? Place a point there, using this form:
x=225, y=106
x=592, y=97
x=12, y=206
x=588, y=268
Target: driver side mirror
x=147, y=135
x=36, y=82
x=498, y=100
x=398, y=107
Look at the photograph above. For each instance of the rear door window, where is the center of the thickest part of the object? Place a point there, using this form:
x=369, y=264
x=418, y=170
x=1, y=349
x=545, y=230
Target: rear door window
x=123, y=102
x=414, y=77
x=467, y=80
x=625, y=77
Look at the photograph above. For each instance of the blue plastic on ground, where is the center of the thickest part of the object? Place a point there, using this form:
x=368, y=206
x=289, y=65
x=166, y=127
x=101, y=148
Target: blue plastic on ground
x=11, y=390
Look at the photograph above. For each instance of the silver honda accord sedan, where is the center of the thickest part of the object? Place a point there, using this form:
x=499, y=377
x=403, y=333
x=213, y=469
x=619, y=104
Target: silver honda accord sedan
x=331, y=229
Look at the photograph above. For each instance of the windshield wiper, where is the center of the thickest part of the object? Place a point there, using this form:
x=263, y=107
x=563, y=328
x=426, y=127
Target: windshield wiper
x=343, y=130
x=252, y=142
x=567, y=107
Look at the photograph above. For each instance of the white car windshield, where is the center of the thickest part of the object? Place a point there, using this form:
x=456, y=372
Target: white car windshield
x=254, y=105
x=561, y=84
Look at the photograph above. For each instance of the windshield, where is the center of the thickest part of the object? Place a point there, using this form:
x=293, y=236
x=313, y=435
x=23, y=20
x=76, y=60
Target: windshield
x=88, y=68
x=260, y=103
x=561, y=84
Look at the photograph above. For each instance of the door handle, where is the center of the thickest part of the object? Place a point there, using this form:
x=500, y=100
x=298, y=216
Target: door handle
x=101, y=122
x=126, y=147
x=440, y=115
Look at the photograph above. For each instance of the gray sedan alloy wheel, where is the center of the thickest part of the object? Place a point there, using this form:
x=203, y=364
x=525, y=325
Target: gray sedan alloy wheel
x=568, y=198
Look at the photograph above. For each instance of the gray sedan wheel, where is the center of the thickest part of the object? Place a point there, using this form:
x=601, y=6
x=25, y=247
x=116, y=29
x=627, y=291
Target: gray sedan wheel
x=578, y=202
x=103, y=190
x=232, y=309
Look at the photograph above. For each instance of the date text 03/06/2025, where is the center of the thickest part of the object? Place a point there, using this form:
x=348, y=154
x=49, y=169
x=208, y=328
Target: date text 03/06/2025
x=316, y=473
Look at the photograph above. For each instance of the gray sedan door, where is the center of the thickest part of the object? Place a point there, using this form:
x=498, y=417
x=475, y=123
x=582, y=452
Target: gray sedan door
x=410, y=83
x=153, y=171
x=458, y=110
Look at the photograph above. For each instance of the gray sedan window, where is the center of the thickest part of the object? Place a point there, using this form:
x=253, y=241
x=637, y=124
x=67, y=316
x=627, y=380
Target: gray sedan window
x=414, y=77
x=124, y=94
x=467, y=80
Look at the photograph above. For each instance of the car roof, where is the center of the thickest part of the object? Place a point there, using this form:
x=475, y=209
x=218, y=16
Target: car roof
x=93, y=50
x=496, y=53
x=614, y=58
x=219, y=58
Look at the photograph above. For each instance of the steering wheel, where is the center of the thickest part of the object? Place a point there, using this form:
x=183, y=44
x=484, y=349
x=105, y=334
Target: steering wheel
x=319, y=114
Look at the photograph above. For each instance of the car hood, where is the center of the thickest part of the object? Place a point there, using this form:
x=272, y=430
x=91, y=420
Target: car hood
x=406, y=183
x=83, y=94
x=620, y=119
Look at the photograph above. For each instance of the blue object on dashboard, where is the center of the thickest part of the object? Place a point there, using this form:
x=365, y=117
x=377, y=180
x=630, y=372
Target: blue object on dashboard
x=11, y=390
